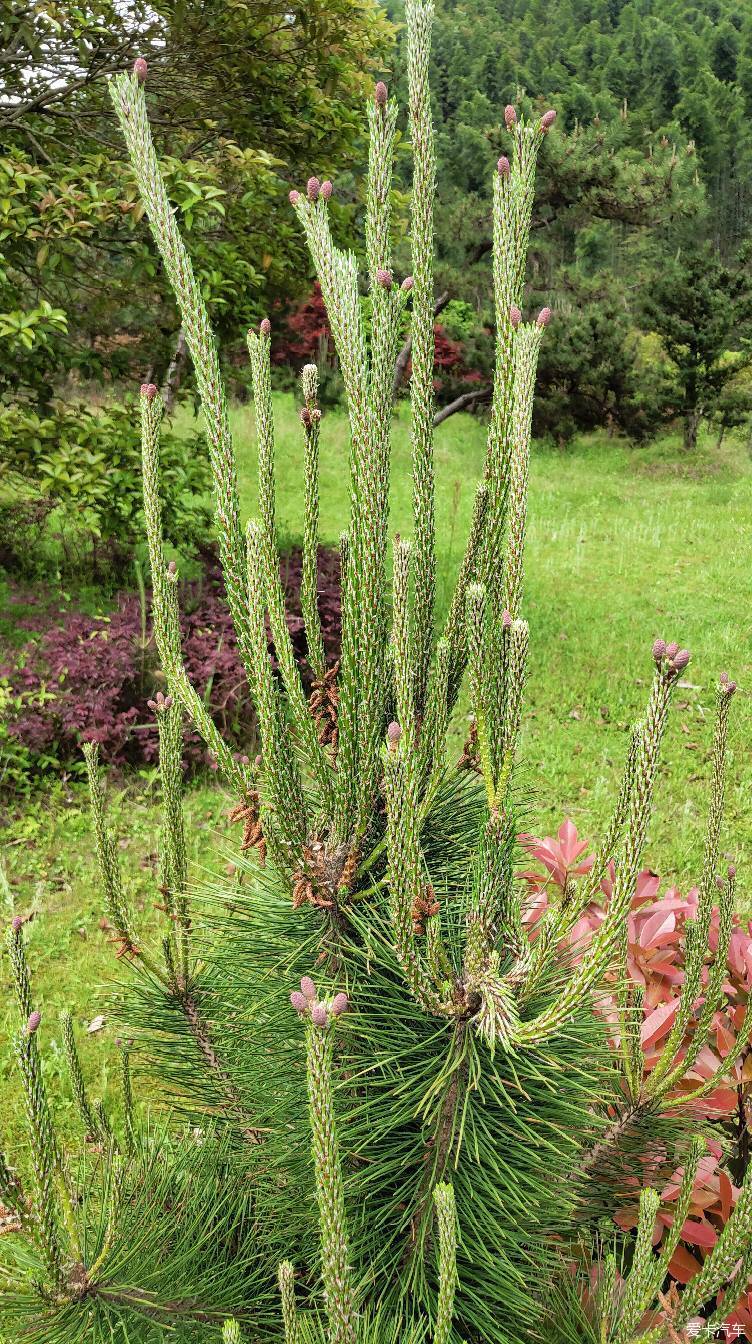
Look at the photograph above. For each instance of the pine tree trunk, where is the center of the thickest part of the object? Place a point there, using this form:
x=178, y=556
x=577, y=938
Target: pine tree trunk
x=175, y=372
x=691, y=426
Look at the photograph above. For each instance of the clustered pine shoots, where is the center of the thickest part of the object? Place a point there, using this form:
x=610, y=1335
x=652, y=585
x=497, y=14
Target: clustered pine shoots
x=407, y=1106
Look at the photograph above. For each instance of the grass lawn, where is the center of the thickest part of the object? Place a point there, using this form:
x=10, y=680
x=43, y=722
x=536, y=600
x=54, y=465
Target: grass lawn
x=623, y=545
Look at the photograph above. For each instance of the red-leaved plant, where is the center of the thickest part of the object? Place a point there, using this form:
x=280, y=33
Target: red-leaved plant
x=655, y=961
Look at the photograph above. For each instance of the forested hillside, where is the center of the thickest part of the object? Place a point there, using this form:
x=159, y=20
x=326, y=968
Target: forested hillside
x=650, y=162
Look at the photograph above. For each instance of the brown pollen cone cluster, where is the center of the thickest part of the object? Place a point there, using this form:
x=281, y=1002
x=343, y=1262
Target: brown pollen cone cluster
x=323, y=704
x=424, y=907
x=249, y=813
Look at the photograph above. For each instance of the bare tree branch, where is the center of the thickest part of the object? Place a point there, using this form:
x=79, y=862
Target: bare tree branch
x=465, y=402
x=403, y=358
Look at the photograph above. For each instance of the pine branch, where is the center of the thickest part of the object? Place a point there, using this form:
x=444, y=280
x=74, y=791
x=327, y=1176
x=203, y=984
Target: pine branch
x=129, y=100
x=419, y=20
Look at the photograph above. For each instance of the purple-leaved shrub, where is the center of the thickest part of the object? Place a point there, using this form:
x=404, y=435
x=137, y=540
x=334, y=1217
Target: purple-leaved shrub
x=88, y=678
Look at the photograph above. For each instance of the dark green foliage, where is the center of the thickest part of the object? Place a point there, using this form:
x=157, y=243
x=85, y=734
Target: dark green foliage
x=700, y=308
x=596, y=373
x=167, y=1238
x=654, y=105
x=247, y=98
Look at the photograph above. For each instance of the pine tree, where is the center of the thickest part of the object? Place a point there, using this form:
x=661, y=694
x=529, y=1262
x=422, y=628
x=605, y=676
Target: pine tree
x=396, y=1116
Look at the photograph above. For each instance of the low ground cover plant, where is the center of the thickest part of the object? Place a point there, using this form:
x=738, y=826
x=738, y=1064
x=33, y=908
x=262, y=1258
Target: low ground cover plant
x=90, y=678
x=421, y=1094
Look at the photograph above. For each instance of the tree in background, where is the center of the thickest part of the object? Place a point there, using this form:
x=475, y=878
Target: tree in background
x=247, y=95
x=700, y=309
x=655, y=107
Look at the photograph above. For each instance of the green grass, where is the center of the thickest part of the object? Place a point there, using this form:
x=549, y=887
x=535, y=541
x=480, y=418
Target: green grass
x=623, y=545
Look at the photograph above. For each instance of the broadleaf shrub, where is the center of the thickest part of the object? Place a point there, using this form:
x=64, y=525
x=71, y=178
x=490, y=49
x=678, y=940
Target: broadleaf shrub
x=85, y=464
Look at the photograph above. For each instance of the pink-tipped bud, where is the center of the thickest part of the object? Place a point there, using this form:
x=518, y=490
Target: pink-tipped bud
x=543, y=318
x=503, y=168
x=293, y=197
x=731, y=872
x=265, y=327
x=149, y=391
x=393, y=735
x=515, y=316
x=727, y=685
x=305, y=416
x=680, y=660
x=380, y=94
x=659, y=651
x=33, y=1023
x=168, y=702
x=407, y=283
x=672, y=649
x=299, y=1001
x=340, y=1005
x=313, y=187
x=510, y=116
x=16, y=923
x=319, y=1015
x=308, y=987
x=258, y=761
x=140, y=69
x=326, y=190
x=506, y=618
x=547, y=121
x=385, y=279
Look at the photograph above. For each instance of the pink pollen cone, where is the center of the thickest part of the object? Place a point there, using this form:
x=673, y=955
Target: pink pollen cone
x=293, y=197
x=313, y=187
x=407, y=283
x=506, y=618
x=672, y=649
x=680, y=660
x=326, y=190
x=384, y=278
x=16, y=923
x=659, y=650
x=510, y=116
x=544, y=317
x=380, y=94
x=298, y=1001
x=319, y=1015
x=394, y=733
x=265, y=327
x=547, y=120
x=33, y=1023
x=140, y=69
x=502, y=167
x=340, y=1005
x=731, y=871
x=515, y=316
x=308, y=987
